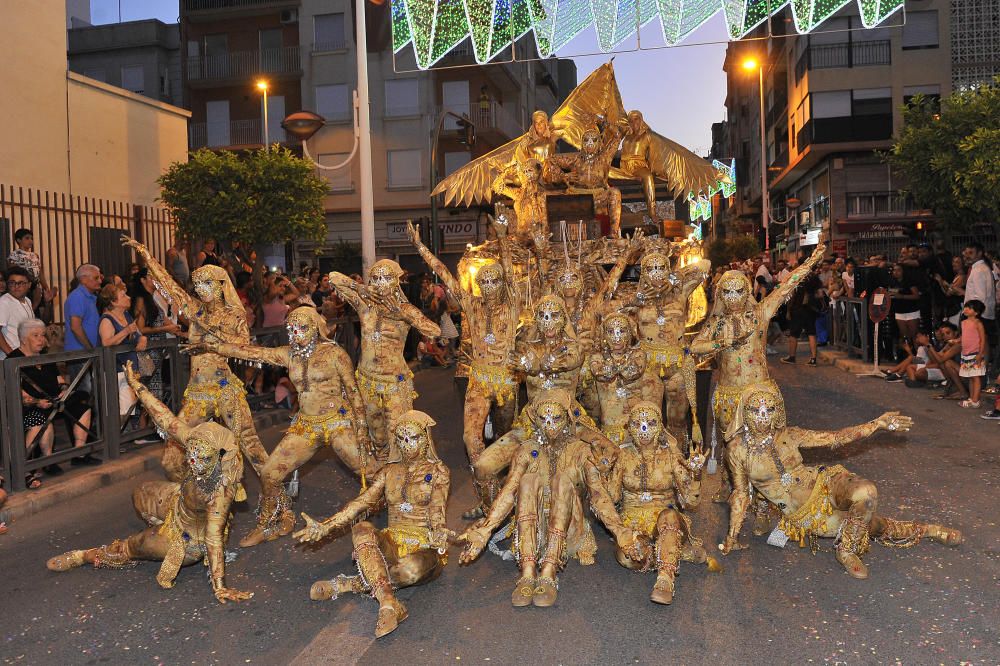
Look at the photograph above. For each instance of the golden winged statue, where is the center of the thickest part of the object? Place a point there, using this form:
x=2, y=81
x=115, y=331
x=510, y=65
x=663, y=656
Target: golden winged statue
x=646, y=155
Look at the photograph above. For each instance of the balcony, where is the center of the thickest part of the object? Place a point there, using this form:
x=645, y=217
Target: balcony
x=489, y=119
x=882, y=205
x=243, y=65
x=207, y=8
x=845, y=129
x=847, y=54
x=232, y=134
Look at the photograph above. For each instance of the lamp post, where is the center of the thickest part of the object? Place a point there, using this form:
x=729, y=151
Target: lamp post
x=262, y=86
x=751, y=64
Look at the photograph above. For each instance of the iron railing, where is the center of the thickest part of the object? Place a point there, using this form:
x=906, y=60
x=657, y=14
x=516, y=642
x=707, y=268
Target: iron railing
x=244, y=64
x=232, y=133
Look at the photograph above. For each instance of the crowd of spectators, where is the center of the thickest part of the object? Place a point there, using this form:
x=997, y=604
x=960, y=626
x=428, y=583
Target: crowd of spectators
x=941, y=329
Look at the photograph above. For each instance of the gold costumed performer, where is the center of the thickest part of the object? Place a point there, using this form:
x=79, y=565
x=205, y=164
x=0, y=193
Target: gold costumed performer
x=530, y=208
x=548, y=352
x=661, y=307
x=384, y=379
x=412, y=550
x=323, y=375
x=736, y=334
x=491, y=319
x=213, y=391
x=618, y=367
x=652, y=483
x=814, y=501
x=543, y=489
x=586, y=171
x=188, y=521
x=567, y=282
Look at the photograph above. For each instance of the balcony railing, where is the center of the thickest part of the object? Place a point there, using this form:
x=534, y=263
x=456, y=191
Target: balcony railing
x=488, y=117
x=337, y=44
x=229, y=134
x=215, y=5
x=845, y=129
x=244, y=64
x=847, y=54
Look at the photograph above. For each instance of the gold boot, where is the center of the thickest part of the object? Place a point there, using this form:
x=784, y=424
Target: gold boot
x=852, y=542
x=390, y=614
x=66, y=561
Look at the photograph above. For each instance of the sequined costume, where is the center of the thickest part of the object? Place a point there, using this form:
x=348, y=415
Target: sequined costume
x=331, y=411
x=586, y=171
x=661, y=311
x=385, y=381
x=618, y=367
x=652, y=483
x=217, y=316
x=544, y=490
x=548, y=352
x=735, y=334
x=530, y=210
x=412, y=549
x=491, y=317
x=188, y=520
x=815, y=501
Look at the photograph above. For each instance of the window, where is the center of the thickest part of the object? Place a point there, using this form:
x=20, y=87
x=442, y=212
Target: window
x=339, y=179
x=333, y=102
x=270, y=39
x=98, y=74
x=872, y=102
x=134, y=78
x=455, y=161
x=402, y=97
x=921, y=30
x=216, y=45
x=328, y=32
x=931, y=92
x=831, y=104
x=405, y=168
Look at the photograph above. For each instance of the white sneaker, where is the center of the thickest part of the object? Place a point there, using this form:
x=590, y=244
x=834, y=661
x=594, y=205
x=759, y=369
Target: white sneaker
x=771, y=350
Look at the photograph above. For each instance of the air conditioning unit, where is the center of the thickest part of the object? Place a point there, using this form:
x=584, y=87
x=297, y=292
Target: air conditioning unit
x=289, y=16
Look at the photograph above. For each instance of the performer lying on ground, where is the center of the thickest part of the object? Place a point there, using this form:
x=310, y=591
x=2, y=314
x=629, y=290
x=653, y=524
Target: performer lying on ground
x=413, y=548
x=823, y=501
x=188, y=521
x=652, y=483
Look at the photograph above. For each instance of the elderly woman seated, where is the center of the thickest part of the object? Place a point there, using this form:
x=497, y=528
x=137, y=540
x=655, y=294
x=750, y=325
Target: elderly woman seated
x=42, y=390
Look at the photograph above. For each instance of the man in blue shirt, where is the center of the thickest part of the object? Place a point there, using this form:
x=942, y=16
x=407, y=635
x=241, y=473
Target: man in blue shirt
x=80, y=310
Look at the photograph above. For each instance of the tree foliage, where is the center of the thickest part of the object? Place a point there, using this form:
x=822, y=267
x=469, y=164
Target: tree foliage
x=948, y=155
x=724, y=251
x=258, y=198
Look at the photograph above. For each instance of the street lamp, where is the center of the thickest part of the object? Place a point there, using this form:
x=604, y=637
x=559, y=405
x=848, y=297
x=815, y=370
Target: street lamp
x=751, y=64
x=262, y=86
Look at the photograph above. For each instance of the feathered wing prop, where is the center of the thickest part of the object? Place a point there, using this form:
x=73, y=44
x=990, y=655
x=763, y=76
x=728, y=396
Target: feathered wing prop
x=597, y=95
x=682, y=170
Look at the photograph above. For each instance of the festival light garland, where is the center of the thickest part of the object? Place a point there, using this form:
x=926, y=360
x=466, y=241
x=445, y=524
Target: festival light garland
x=700, y=205
x=435, y=27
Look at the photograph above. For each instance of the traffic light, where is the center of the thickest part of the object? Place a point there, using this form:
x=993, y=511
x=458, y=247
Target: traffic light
x=466, y=132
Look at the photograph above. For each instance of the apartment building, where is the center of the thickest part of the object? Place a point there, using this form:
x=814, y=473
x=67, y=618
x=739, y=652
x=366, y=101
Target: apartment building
x=305, y=50
x=832, y=100
x=140, y=56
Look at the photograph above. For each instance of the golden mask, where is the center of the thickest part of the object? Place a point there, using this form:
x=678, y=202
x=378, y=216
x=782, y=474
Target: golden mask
x=489, y=279
x=645, y=423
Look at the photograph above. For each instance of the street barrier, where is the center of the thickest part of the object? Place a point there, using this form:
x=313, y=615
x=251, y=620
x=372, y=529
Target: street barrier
x=849, y=326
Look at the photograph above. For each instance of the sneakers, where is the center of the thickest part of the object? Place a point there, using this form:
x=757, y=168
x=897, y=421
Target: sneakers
x=969, y=404
x=913, y=383
x=771, y=351
x=789, y=360
x=812, y=362
x=992, y=415
x=893, y=377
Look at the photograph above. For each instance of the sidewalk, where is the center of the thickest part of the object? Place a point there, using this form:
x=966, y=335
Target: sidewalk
x=839, y=359
x=78, y=482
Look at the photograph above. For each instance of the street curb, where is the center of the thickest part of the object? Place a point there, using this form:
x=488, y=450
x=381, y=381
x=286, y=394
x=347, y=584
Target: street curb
x=27, y=503
x=839, y=359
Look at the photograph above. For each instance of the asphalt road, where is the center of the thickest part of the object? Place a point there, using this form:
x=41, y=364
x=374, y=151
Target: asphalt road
x=927, y=605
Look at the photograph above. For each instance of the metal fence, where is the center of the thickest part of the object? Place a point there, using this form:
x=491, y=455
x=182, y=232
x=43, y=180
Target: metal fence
x=74, y=230
x=107, y=433
x=849, y=330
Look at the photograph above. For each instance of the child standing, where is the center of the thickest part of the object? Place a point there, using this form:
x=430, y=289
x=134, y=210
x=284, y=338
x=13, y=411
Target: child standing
x=973, y=363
